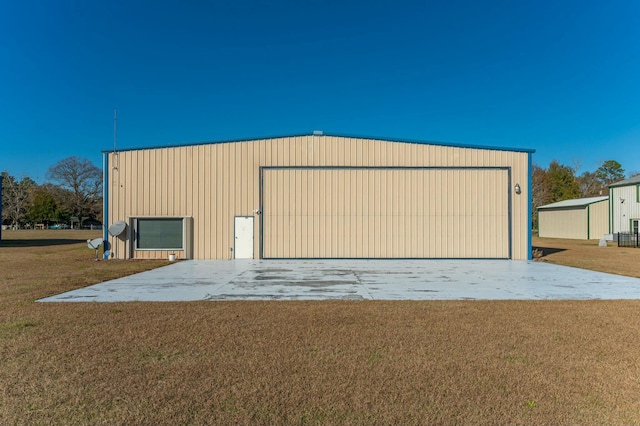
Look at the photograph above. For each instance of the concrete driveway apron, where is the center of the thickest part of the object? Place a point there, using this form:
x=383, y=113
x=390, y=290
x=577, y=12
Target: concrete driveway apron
x=194, y=280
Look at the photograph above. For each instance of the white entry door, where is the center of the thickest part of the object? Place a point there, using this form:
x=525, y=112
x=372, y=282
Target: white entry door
x=244, y=237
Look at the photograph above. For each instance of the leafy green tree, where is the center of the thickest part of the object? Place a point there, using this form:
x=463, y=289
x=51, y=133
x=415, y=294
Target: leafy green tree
x=609, y=172
x=44, y=208
x=16, y=198
x=83, y=181
x=563, y=182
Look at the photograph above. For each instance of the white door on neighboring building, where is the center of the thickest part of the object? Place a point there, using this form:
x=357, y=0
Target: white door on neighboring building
x=243, y=237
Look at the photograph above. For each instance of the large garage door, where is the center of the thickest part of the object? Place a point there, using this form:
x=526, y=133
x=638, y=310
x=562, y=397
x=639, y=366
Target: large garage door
x=385, y=213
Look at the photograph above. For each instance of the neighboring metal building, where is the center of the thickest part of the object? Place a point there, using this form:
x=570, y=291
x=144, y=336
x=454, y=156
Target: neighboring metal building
x=624, y=202
x=579, y=219
x=319, y=196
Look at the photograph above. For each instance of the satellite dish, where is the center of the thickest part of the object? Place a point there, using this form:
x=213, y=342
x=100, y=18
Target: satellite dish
x=117, y=228
x=95, y=243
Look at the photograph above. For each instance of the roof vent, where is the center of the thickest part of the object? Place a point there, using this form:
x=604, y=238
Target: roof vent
x=318, y=133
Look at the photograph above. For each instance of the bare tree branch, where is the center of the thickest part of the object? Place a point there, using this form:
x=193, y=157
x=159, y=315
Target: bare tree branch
x=83, y=180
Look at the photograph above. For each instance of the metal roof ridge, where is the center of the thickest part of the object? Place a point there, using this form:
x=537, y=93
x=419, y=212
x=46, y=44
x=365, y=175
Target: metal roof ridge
x=324, y=134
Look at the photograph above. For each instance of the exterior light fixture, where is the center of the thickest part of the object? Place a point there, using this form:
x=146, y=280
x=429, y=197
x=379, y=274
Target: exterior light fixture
x=517, y=188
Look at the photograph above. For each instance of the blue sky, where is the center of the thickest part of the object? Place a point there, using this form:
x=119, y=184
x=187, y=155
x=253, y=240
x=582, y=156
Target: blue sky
x=561, y=77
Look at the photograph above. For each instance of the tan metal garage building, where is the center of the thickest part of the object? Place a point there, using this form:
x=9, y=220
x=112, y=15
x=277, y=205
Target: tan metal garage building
x=319, y=196
x=579, y=219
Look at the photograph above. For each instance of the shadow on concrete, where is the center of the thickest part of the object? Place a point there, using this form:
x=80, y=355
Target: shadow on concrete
x=38, y=243
x=546, y=251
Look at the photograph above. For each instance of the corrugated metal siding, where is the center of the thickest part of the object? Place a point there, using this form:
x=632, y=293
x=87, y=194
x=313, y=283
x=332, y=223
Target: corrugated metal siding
x=212, y=183
x=386, y=213
x=598, y=219
x=578, y=223
x=565, y=223
x=623, y=212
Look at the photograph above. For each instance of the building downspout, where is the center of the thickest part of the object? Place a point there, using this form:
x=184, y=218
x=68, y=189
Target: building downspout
x=105, y=205
x=530, y=208
x=611, y=215
x=1, y=207
x=588, y=221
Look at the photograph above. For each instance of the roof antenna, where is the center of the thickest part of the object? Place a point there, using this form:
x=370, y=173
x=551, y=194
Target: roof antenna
x=115, y=120
x=115, y=154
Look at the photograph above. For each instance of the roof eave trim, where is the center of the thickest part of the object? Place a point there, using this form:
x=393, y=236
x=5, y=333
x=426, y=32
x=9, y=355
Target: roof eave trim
x=445, y=144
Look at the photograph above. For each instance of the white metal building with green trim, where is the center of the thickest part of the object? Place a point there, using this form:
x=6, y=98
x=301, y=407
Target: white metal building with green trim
x=624, y=205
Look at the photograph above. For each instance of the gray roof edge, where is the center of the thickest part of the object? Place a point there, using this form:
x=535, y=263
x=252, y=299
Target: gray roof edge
x=630, y=181
x=576, y=202
x=447, y=144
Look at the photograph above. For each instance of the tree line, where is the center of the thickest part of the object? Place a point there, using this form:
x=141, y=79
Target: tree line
x=75, y=191
x=560, y=182
x=73, y=194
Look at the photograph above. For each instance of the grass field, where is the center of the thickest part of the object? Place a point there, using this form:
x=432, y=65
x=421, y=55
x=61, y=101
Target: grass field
x=332, y=362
